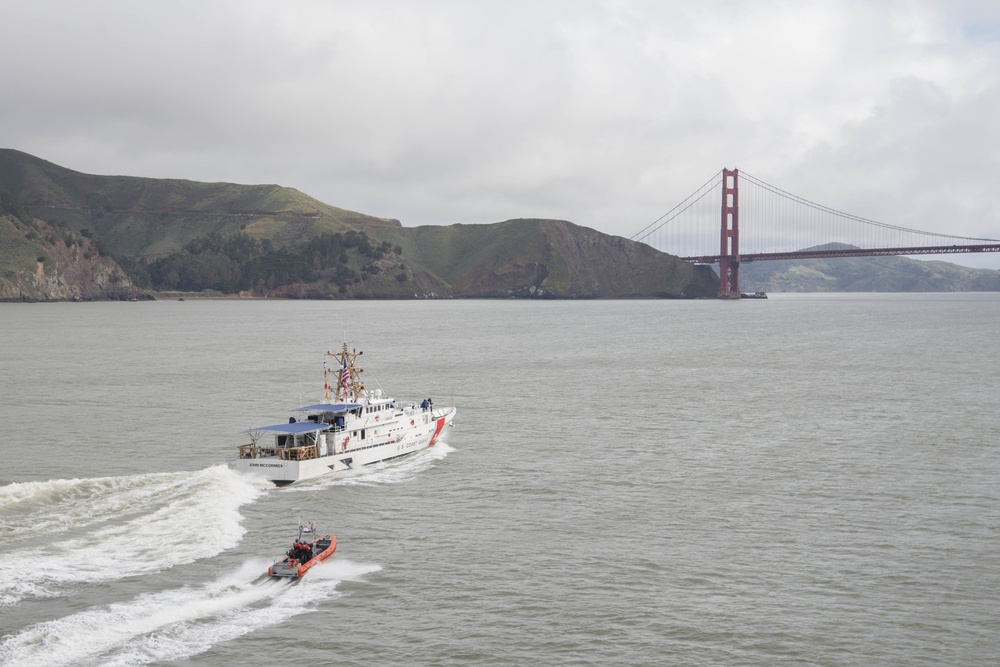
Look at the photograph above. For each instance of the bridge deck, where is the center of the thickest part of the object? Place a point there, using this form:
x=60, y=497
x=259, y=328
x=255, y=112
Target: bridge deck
x=850, y=252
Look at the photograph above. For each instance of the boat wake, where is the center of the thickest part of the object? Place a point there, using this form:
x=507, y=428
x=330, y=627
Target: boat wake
x=179, y=623
x=393, y=472
x=91, y=530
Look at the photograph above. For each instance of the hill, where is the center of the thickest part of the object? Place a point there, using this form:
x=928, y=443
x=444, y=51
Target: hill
x=268, y=240
x=864, y=274
x=547, y=258
x=150, y=216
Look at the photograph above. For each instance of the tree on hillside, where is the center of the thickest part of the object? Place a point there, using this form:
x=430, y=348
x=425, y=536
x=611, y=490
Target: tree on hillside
x=240, y=263
x=11, y=205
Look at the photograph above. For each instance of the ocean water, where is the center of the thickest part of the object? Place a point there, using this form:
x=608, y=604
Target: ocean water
x=807, y=480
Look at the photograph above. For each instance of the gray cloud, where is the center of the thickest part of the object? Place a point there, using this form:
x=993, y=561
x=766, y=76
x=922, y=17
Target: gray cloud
x=603, y=113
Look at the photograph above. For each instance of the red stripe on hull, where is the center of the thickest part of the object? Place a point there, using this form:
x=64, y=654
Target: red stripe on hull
x=437, y=432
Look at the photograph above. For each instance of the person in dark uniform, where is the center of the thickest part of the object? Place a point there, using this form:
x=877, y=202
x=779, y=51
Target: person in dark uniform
x=300, y=551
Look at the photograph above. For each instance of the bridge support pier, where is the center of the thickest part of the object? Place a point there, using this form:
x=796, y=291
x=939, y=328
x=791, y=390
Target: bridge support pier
x=729, y=242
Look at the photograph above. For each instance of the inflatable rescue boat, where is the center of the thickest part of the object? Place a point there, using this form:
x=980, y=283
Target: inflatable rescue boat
x=304, y=554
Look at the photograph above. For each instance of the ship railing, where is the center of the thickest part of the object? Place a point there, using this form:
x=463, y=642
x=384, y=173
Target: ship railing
x=257, y=452
x=283, y=453
x=297, y=453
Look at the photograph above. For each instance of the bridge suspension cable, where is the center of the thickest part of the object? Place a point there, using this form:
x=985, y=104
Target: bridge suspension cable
x=773, y=220
x=671, y=215
x=848, y=216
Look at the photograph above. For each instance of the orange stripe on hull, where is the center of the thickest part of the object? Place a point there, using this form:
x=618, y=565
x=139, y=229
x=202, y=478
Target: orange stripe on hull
x=320, y=557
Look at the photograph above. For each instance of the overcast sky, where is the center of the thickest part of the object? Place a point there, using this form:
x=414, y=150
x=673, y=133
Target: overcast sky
x=606, y=114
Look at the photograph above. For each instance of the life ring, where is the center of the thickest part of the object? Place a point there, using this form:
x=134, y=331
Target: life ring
x=376, y=417
x=412, y=422
x=344, y=444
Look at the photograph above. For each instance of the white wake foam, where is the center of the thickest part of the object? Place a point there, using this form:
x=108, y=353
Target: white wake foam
x=179, y=623
x=73, y=531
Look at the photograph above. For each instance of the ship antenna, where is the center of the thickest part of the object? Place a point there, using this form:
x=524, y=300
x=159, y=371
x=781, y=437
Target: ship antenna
x=326, y=385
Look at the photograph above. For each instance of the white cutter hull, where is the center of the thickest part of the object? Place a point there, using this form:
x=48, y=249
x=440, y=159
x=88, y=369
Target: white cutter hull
x=355, y=429
x=394, y=439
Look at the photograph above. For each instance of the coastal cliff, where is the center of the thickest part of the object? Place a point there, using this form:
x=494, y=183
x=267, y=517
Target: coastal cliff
x=43, y=263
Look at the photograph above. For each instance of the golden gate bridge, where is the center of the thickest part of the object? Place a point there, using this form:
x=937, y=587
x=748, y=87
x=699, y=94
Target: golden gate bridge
x=780, y=225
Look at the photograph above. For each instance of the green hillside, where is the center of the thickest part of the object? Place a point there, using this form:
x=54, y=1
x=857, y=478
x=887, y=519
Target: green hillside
x=148, y=216
x=554, y=258
x=264, y=240
x=459, y=252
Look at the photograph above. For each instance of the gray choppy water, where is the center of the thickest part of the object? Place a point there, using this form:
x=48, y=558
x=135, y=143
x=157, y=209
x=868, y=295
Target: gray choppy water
x=806, y=480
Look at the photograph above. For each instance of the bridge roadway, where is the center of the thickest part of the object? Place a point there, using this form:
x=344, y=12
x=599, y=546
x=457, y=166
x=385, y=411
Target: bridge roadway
x=848, y=252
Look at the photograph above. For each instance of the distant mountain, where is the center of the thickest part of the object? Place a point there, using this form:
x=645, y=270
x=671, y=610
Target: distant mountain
x=266, y=240
x=864, y=274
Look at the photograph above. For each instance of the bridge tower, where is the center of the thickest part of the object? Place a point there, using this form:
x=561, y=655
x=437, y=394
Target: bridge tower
x=729, y=242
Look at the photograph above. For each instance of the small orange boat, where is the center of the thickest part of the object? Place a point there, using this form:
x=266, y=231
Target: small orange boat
x=304, y=554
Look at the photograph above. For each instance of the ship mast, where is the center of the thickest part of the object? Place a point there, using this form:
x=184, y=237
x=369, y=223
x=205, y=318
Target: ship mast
x=349, y=387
